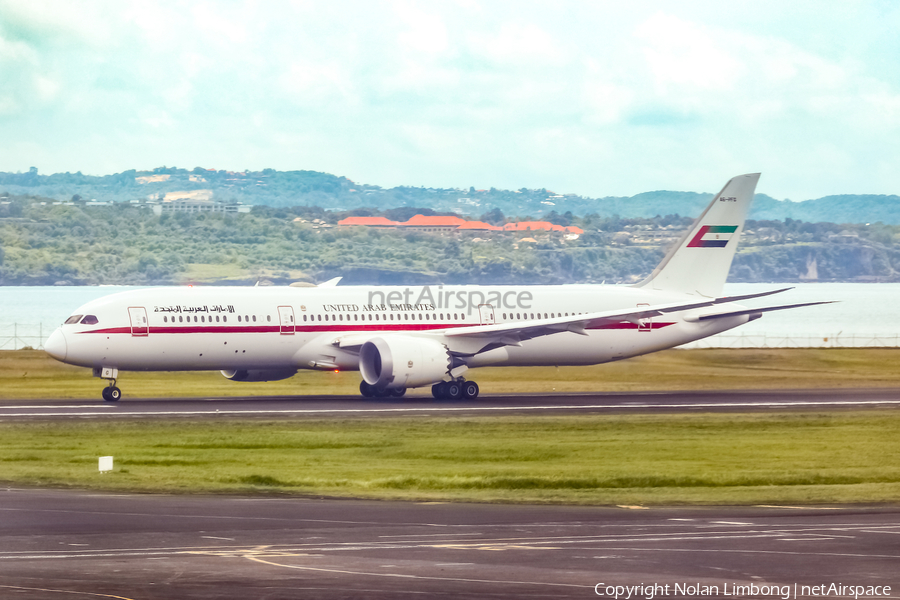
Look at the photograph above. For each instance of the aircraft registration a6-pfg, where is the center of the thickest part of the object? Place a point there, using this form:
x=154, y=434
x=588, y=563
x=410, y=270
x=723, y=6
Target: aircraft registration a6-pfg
x=409, y=337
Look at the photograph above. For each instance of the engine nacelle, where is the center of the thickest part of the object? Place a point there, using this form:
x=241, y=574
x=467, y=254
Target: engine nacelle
x=399, y=361
x=258, y=375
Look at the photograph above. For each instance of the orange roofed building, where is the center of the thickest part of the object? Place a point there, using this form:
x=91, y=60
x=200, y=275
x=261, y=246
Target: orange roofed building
x=478, y=226
x=437, y=224
x=367, y=222
x=434, y=224
x=541, y=226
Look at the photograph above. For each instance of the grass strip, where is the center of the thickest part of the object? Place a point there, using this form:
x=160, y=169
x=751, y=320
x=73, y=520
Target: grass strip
x=33, y=374
x=836, y=457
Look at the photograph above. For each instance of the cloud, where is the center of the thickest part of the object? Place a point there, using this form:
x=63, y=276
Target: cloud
x=681, y=53
x=590, y=98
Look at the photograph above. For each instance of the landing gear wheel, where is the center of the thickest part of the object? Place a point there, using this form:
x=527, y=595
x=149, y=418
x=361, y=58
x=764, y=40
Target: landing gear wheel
x=438, y=390
x=382, y=393
x=111, y=394
x=366, y=390
x=397, y=392
x=470, y=390
x=453, y=391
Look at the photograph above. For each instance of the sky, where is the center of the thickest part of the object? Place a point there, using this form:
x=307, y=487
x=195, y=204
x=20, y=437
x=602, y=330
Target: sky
x=588, y=97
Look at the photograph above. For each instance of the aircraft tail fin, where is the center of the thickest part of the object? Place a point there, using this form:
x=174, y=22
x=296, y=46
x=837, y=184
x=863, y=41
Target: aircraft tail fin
x=700, y=261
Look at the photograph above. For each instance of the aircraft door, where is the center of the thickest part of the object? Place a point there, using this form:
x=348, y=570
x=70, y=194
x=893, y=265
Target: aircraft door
x=645, y=324
x=486, y=314
x=286, y=318
x=139, y=325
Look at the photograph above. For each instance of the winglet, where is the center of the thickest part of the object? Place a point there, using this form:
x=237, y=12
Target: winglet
x=330, y=283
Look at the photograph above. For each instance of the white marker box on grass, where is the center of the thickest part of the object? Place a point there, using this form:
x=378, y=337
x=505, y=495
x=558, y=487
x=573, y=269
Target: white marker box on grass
x=106, y=464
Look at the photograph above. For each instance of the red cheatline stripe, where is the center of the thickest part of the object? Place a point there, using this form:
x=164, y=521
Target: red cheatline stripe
x=362, y=328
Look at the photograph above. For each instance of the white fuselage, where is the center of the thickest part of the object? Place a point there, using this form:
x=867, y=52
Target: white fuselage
x=226, y=328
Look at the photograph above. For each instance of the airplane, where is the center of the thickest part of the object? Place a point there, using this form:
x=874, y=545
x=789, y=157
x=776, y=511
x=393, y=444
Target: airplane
x=418, y=336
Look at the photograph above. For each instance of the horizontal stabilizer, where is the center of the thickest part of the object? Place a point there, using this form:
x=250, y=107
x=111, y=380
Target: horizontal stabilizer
x=753, y=311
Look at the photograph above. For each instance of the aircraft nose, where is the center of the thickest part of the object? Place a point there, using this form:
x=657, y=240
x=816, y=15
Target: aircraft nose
x=56, y=345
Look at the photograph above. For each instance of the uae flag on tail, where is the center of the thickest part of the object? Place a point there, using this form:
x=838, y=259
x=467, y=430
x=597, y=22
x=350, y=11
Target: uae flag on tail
x=713, y=236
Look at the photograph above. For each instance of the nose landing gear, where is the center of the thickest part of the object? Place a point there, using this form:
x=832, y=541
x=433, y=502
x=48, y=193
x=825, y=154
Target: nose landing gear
x=110, y=393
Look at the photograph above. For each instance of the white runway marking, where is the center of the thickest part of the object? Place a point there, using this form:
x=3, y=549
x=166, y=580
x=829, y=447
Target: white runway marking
x=53, y=406
x=424, y=577
x=425, y=409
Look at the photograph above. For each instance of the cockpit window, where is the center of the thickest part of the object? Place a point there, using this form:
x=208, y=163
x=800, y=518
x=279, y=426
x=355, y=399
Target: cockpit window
x=73, y=319
x=89, y=320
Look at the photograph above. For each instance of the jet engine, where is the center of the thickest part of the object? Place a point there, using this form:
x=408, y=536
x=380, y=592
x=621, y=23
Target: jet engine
x=258, y=375
x=398, y=361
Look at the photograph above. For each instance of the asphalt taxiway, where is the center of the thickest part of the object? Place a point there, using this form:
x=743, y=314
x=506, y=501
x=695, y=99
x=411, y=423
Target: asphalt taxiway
x=489, y=404
x=67, y=544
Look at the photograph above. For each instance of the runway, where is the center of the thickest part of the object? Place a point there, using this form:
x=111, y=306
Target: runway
x=141, y=547
x=572, y=403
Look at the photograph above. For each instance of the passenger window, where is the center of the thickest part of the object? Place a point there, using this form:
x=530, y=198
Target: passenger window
x=254, y=318
x=180, y=319
x=89, y=320
x=73, y=319
x=203, y=319
x=269, y=318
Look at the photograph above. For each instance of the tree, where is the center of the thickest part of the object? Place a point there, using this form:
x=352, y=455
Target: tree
x=494, y=217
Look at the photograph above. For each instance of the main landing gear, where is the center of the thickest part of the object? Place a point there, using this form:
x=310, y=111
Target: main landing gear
x=454, y=390
x=445, y=390
x=370, y=391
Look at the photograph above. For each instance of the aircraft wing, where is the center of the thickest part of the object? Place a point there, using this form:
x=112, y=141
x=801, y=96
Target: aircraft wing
x=479, y=338
x=579, y=323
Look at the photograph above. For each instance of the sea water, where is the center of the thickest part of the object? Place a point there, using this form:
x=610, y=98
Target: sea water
x=862, y=314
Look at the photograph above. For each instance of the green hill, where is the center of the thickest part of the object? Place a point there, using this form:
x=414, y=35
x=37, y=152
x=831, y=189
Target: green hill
x=336, y=193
